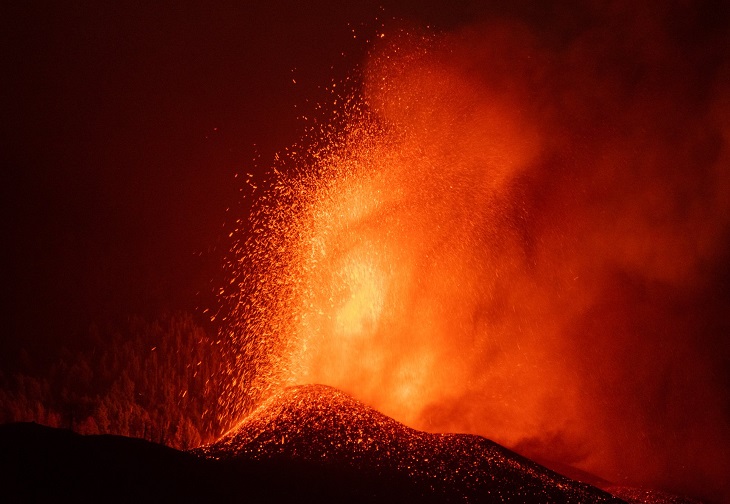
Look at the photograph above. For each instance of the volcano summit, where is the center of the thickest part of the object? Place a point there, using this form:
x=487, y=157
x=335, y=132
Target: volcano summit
x=324, y=428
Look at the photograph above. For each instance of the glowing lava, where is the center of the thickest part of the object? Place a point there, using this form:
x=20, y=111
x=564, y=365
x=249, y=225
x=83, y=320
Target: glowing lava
x=481, y=244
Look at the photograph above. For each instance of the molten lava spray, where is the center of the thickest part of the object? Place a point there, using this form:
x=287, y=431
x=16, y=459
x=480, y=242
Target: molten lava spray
x=515, y=234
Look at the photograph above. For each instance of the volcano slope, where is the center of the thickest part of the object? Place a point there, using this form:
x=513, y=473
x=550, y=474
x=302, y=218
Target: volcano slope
x=325, y=428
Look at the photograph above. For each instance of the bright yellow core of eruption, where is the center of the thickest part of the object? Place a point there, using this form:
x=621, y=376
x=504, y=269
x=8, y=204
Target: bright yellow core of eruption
x=362, y=302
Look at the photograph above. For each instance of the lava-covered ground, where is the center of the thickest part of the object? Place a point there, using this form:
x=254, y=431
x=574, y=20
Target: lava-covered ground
x=306, y=444
x=321, y=425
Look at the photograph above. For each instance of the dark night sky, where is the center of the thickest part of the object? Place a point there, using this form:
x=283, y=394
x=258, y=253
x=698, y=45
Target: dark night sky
x=123, y=126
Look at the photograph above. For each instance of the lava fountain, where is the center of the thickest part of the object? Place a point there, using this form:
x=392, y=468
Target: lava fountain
x=513, y=236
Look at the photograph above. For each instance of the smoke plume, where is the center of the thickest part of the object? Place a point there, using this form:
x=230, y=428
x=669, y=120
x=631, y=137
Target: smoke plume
x=520, y=231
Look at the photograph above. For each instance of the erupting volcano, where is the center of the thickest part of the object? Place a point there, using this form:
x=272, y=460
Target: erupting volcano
x=493, y=269
x=505, y=235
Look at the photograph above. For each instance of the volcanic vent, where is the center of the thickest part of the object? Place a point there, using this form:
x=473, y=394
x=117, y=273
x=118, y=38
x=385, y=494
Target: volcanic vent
x=322, y=427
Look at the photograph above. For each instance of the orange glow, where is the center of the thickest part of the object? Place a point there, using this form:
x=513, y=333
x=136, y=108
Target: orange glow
x=482, y=245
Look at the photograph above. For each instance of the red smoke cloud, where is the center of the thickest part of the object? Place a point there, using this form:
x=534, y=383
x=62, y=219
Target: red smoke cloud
x=522, y=231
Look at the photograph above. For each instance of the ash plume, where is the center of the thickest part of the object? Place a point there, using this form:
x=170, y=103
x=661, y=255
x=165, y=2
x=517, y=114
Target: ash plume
x=521, y=229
